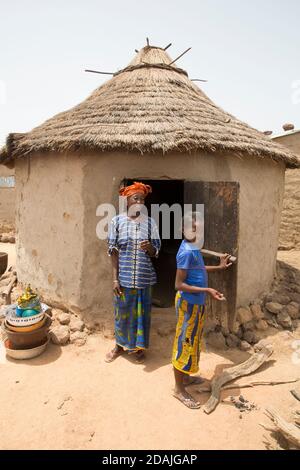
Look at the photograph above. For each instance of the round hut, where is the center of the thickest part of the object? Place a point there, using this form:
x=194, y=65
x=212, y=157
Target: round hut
x=148, y=122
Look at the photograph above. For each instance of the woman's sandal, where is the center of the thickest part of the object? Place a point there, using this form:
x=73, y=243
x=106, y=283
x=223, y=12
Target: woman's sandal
x=114, y=354
x=188, y=402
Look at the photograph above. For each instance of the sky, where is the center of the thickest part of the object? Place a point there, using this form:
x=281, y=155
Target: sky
x=248, y=50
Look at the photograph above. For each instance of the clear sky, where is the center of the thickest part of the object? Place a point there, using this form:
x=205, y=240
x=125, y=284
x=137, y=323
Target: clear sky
x=248, y=50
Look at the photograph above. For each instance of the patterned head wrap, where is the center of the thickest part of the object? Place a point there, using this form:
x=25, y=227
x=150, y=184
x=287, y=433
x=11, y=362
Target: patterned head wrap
x=135, y=188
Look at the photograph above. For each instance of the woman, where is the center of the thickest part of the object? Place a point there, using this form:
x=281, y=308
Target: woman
x=133, y=239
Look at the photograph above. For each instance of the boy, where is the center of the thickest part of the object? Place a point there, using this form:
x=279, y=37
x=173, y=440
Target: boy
x=191, y=285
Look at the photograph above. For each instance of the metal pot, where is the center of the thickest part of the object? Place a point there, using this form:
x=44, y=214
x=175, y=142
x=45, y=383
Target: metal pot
x=27, y=339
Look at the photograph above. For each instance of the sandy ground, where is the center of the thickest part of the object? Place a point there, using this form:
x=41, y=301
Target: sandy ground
x=69, y=398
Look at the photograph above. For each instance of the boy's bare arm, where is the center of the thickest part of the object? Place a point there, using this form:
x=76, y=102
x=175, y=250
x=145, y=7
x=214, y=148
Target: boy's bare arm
x=181, y=285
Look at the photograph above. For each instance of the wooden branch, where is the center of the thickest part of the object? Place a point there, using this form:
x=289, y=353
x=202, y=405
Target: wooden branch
x=167, y=47
x=198, y=80
x=147, y=40
x=7, y=291
x=184, y=52
x=246, y=368
x=250, y=384
x=102, y=73
x=295, y=394
x=215, y=254
x=288, y=430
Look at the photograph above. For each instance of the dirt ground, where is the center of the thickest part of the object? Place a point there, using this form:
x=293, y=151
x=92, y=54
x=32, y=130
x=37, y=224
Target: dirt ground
x=69, y=398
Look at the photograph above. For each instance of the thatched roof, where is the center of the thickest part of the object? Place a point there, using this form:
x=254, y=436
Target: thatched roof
x=150, y=106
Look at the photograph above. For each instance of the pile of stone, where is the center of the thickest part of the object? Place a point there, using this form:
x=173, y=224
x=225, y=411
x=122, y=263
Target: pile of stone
x=7, y=237
x=278, y=309
x=243, y=405
x=67, y=328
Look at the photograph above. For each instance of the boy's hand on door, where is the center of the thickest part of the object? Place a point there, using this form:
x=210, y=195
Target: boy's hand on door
x=225, y=261
x=215, y=294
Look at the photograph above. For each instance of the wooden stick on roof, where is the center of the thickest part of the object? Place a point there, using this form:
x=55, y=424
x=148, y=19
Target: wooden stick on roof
x=147, y=39
x=197, y=80
x=180, y=56
x=167, y=47
x=96, y=71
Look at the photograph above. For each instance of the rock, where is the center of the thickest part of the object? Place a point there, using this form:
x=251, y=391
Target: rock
x=12, y=239
x=60, y=334
x=262, y=325
x=235, y=327
x=280, y=298
x=244, y=315
x=250, y=325
x=284, y=320
x=244, y=346
x=295, y=297
x=78, y=338
x=256, y=311
x=64, y=318
x=274, y=307
x=295, y=324
x=76, y=325
x=250, y=337
x=216, y=340
x=209, y=325
x=232, y=341
x=295, y=288
x=240, y=333
x=225, y=331
x=4, y=239
x=293, y=310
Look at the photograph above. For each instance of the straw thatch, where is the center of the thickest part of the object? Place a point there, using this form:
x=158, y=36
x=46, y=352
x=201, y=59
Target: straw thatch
x=149, y=106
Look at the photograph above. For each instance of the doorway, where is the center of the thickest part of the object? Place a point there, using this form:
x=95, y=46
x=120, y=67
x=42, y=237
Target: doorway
x=164, y=192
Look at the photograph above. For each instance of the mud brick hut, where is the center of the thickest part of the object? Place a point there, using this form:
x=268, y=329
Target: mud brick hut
x=289, y=236
x=148, y=122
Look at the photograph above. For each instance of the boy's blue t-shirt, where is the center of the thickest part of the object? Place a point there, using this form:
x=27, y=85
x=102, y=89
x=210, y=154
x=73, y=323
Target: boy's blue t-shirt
x=189, y=257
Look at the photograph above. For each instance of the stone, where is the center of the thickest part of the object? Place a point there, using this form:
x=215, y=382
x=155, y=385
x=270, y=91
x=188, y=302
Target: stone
x=78, y=338
x=295, y=324
x=284, y=320
x=295, y=297
x=244, y=315
x=63, y=318
x=250, y=325
x=225, y=331
x=250, y=337
x=232, y=341
x=244, y=346
x=240, y=333
x=76, y=324
x=274, y=307
x=235, y=327
x=12, y=239
x=295, y=288
x=262, y=325
x=60, y=334
x=216, y=340
x=293, y=310
x=209, y=325
x=256, y=311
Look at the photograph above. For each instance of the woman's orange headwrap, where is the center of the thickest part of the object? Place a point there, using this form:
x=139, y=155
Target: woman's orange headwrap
x=135, y=188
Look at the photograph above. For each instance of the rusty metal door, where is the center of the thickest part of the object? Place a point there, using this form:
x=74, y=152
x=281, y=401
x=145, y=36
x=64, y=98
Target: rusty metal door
x=221, y=229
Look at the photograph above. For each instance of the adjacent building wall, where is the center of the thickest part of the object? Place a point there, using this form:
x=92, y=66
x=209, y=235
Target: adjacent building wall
x=49, y=220
x=7, y=201
x=290, y=224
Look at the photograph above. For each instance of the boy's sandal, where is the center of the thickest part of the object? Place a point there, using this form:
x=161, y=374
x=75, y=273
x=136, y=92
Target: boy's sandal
x=189, y=402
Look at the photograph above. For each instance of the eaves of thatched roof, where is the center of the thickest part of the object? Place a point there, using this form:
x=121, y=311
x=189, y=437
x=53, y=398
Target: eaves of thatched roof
x=150, y=106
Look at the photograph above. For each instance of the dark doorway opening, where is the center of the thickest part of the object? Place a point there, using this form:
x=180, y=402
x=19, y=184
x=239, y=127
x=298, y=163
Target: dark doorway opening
x=164, y=192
